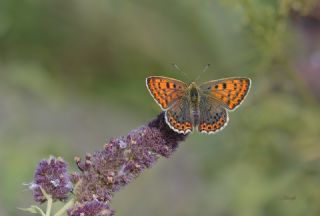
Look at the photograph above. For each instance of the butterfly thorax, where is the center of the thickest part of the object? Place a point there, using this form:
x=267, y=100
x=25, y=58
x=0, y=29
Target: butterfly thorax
x=194, y=103
x=194, y=94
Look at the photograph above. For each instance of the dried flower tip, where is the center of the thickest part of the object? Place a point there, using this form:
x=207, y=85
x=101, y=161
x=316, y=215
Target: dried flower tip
x=74, y=178
x=88, y=156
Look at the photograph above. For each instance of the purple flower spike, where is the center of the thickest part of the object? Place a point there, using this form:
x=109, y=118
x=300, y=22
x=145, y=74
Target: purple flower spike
x=104, y=172
x=51, y=175
x=91, y=208
x=123, y=159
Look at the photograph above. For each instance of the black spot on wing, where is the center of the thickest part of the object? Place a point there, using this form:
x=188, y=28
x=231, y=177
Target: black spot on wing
x=224, y=85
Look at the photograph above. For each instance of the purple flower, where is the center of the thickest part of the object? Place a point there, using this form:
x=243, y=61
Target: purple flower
x=103, y=172
x=51, y=175
x=91, y=208
x=123, y=159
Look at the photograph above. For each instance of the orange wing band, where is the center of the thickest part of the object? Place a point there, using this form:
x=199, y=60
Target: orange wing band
x=163, y=90
x=231, y=92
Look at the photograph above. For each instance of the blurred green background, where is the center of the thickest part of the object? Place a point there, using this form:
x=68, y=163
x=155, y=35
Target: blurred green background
x=72, y=75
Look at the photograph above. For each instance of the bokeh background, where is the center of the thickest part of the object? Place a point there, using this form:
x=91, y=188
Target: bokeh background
x=72, y=75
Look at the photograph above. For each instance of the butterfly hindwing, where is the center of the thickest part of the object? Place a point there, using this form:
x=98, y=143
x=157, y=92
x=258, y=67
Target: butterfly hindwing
x=166, y=91
x=213, y=116
x=178, y=116
x=230, y=92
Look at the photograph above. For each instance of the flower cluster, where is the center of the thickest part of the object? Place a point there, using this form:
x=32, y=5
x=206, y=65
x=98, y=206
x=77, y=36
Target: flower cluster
x=123, y=159
x=106, y=171
x=91, y=208
x=51, y=175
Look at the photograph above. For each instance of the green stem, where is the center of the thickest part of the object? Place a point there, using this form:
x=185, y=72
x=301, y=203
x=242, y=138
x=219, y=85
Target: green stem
x=33, y=209
x=65, y=208
x=49, y=205
x=40, y=210
x=49, y=201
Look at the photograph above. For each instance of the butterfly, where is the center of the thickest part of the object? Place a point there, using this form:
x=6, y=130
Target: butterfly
x=204, y=107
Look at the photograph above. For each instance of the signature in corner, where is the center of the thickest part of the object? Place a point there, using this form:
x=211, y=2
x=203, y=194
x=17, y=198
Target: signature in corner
x=289, y=197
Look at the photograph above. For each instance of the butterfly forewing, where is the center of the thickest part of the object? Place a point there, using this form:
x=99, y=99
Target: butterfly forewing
x=166, y=91
x=230, y=92
x=178, y=116
x=213, y=116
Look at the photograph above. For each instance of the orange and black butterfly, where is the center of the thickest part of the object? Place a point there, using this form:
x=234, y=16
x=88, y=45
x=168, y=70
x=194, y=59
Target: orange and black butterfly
x=202, y=107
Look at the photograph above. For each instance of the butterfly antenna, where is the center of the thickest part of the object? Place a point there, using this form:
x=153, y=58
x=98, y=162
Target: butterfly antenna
x=176, y=67
x=203, y=71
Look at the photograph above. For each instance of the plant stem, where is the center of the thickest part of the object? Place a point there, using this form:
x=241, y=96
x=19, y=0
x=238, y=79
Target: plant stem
x=33, y=209
x=64, y=208
x=49, y=205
